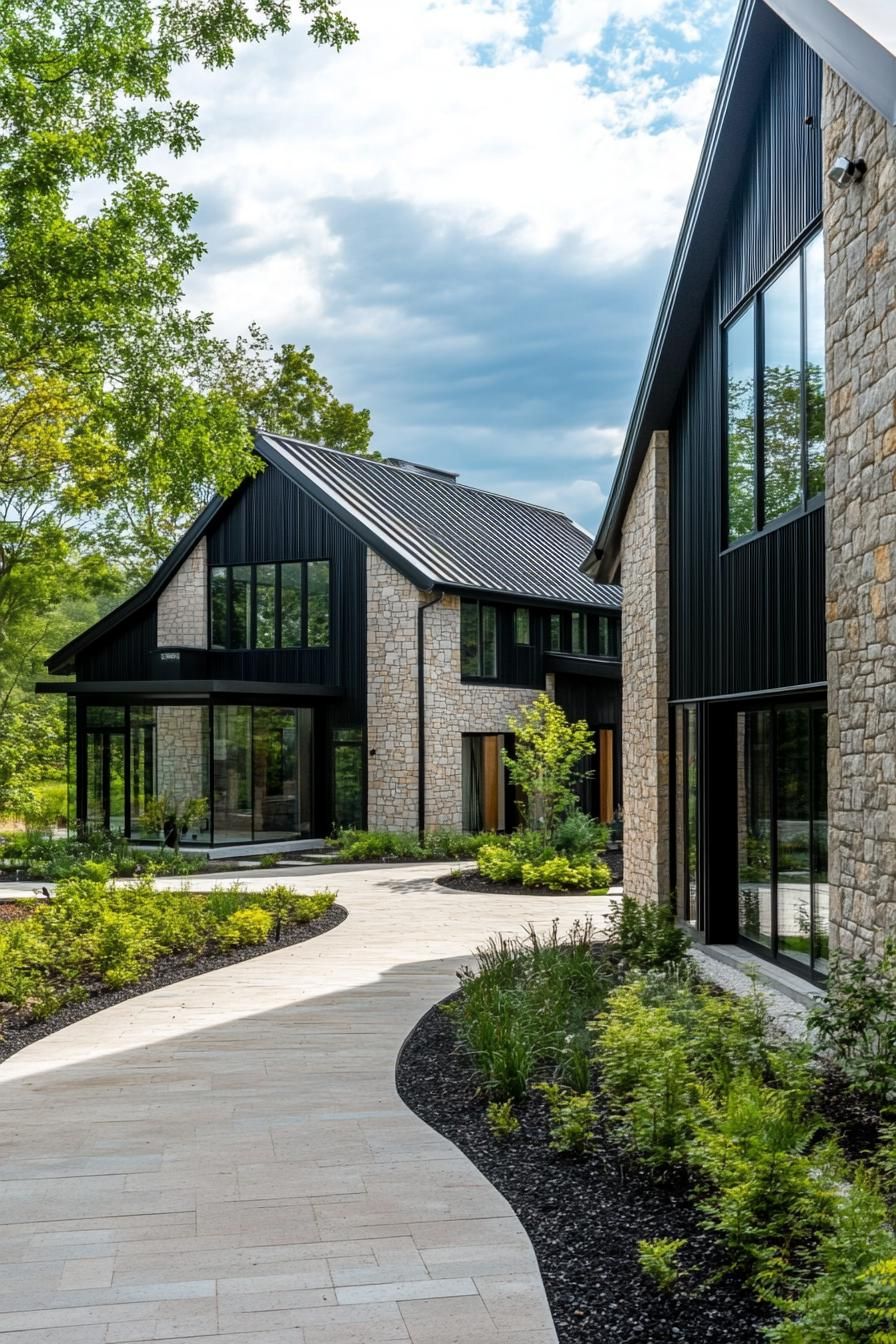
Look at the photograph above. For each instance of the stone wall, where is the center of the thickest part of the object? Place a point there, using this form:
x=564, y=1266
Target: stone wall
x=182, y=750
x=645, y=678
x=452, y=707
x=181, y=610
x=392, y=604
x=860, y=262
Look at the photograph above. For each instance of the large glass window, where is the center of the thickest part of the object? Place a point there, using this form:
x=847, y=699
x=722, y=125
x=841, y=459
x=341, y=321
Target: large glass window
x=270, y=606
x=740, y=391
x=478, y=640
x=233, y=773
x=348, y=777
x=318, y=577
x=782, y=832
x=686, y=815
x=265, y=606
x=781, y=382
x=775, y=397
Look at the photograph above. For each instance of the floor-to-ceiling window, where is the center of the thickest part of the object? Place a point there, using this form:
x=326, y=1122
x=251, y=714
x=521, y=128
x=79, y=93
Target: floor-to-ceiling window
x=782, y=832
x=685, y=784
x=262, y=773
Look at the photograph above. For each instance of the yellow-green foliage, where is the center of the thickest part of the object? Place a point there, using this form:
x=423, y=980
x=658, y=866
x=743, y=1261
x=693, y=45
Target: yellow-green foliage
x=499, y=864
x=547, y=759
x=659, y=1260
x=573, y=1117
x=245, y=927
x=501, y=1120
x=560, y=873
x=96, y=933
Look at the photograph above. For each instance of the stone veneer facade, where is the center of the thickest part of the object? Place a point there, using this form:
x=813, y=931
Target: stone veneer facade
x=860, y=280
x=181, y=611
x=645, y=678
x=452, y=707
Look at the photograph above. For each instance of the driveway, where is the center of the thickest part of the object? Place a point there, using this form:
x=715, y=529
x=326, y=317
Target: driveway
x=227, y=1158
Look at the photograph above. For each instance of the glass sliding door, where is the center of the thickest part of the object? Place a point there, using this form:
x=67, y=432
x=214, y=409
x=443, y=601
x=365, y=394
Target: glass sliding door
x=782, y=833
x=275, y=774
x=106, y=769
x=754, y=823
x=686, y=820
x=233, y=774
x=348, y=777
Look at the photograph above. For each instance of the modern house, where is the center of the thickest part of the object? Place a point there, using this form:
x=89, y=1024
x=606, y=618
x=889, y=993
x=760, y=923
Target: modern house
x=752, y=521
x=340, y=642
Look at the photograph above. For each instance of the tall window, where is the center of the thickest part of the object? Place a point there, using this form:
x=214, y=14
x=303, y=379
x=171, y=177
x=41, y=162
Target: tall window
x=607, y=637
x=578, y=632
x=782, y=832
x=478, y=640
x=521, y=633
x=775, y=397
x=554, y=635
x=284, y=606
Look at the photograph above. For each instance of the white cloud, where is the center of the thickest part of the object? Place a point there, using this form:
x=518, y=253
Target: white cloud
x=446, y=106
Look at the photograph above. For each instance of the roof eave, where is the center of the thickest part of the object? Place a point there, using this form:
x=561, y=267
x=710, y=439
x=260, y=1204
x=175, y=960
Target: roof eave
x=846, y=46
x=746, y=61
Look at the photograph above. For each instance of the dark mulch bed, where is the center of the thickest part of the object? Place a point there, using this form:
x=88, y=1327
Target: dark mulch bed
x=855, y=1121
x=584, y=1216
x=167, y=971
x=469, y=880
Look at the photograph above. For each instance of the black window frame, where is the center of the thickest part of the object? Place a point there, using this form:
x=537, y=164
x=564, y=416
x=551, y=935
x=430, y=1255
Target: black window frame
x=755, y=300
x=278, y=645
x=481, y=608
x=517, y=613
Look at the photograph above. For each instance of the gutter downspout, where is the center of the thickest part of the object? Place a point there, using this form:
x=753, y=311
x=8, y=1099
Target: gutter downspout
x=421, y=715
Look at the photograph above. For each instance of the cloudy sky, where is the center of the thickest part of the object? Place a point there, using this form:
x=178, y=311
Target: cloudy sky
x=468, y=216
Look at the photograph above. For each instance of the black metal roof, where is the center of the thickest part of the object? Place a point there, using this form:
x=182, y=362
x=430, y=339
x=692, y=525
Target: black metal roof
x=432, y=529
x=861, y=60
x=443, y=534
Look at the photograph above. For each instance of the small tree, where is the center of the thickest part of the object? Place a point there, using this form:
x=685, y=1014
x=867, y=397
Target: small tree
x=172, y=815
x=547, y=762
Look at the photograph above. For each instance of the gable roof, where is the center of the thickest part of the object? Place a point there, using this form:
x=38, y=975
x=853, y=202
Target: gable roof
x=856, y=38
x=433, y=530
x=440, y=533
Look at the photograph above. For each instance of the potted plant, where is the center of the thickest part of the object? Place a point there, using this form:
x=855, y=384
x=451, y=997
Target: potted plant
x=172, y=816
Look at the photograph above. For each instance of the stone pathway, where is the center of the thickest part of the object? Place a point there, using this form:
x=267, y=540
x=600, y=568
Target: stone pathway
x=228, y=1159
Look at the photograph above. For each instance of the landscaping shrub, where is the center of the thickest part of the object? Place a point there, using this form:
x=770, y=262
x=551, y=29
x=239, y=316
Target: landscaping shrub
x=852, y=1300
x=531, y=995
x=372, y=846
x=499, y=863
x=559, y=874
x=245, y=927
x=855, y=1024
x=645, y=936
x=573, y=1118
x=96, y=934
x=659, y=1260
x=579, y=836
x=501, y=1120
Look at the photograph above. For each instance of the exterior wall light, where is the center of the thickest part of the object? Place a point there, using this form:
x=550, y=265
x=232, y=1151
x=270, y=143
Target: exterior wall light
x=844, y=171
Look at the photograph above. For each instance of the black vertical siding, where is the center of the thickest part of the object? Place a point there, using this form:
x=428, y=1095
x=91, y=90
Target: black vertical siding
x=270, y=519
x=124, y=656
x=751, y=618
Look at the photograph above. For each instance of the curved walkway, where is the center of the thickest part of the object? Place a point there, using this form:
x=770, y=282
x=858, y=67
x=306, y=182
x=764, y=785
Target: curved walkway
x=227, y=1158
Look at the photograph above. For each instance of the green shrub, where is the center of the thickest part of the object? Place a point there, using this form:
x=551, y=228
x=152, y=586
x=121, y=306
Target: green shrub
x=501, y=1120
x=293, y=907
x=855, y=1024
x=119, y=948
x=852, y=1299
x=659, y=1260
x=573, y=1118
x=645, y=936
x=245, y=927
x=560, y=873
x=498, y=863
x=222, y=902
x=769, y=1198
x=373, y=846
x=530, y=996
x=443, y=844
x=579, y=836
x=647, y=1079
x=174, y=863
x=268, y=860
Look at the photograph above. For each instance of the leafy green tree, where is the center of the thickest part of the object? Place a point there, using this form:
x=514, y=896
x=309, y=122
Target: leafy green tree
x=547, y=762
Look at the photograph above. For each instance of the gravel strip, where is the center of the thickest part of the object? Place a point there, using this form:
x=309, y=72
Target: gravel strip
x=584, y=1216
x=167, y=971
x=786, y=1013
